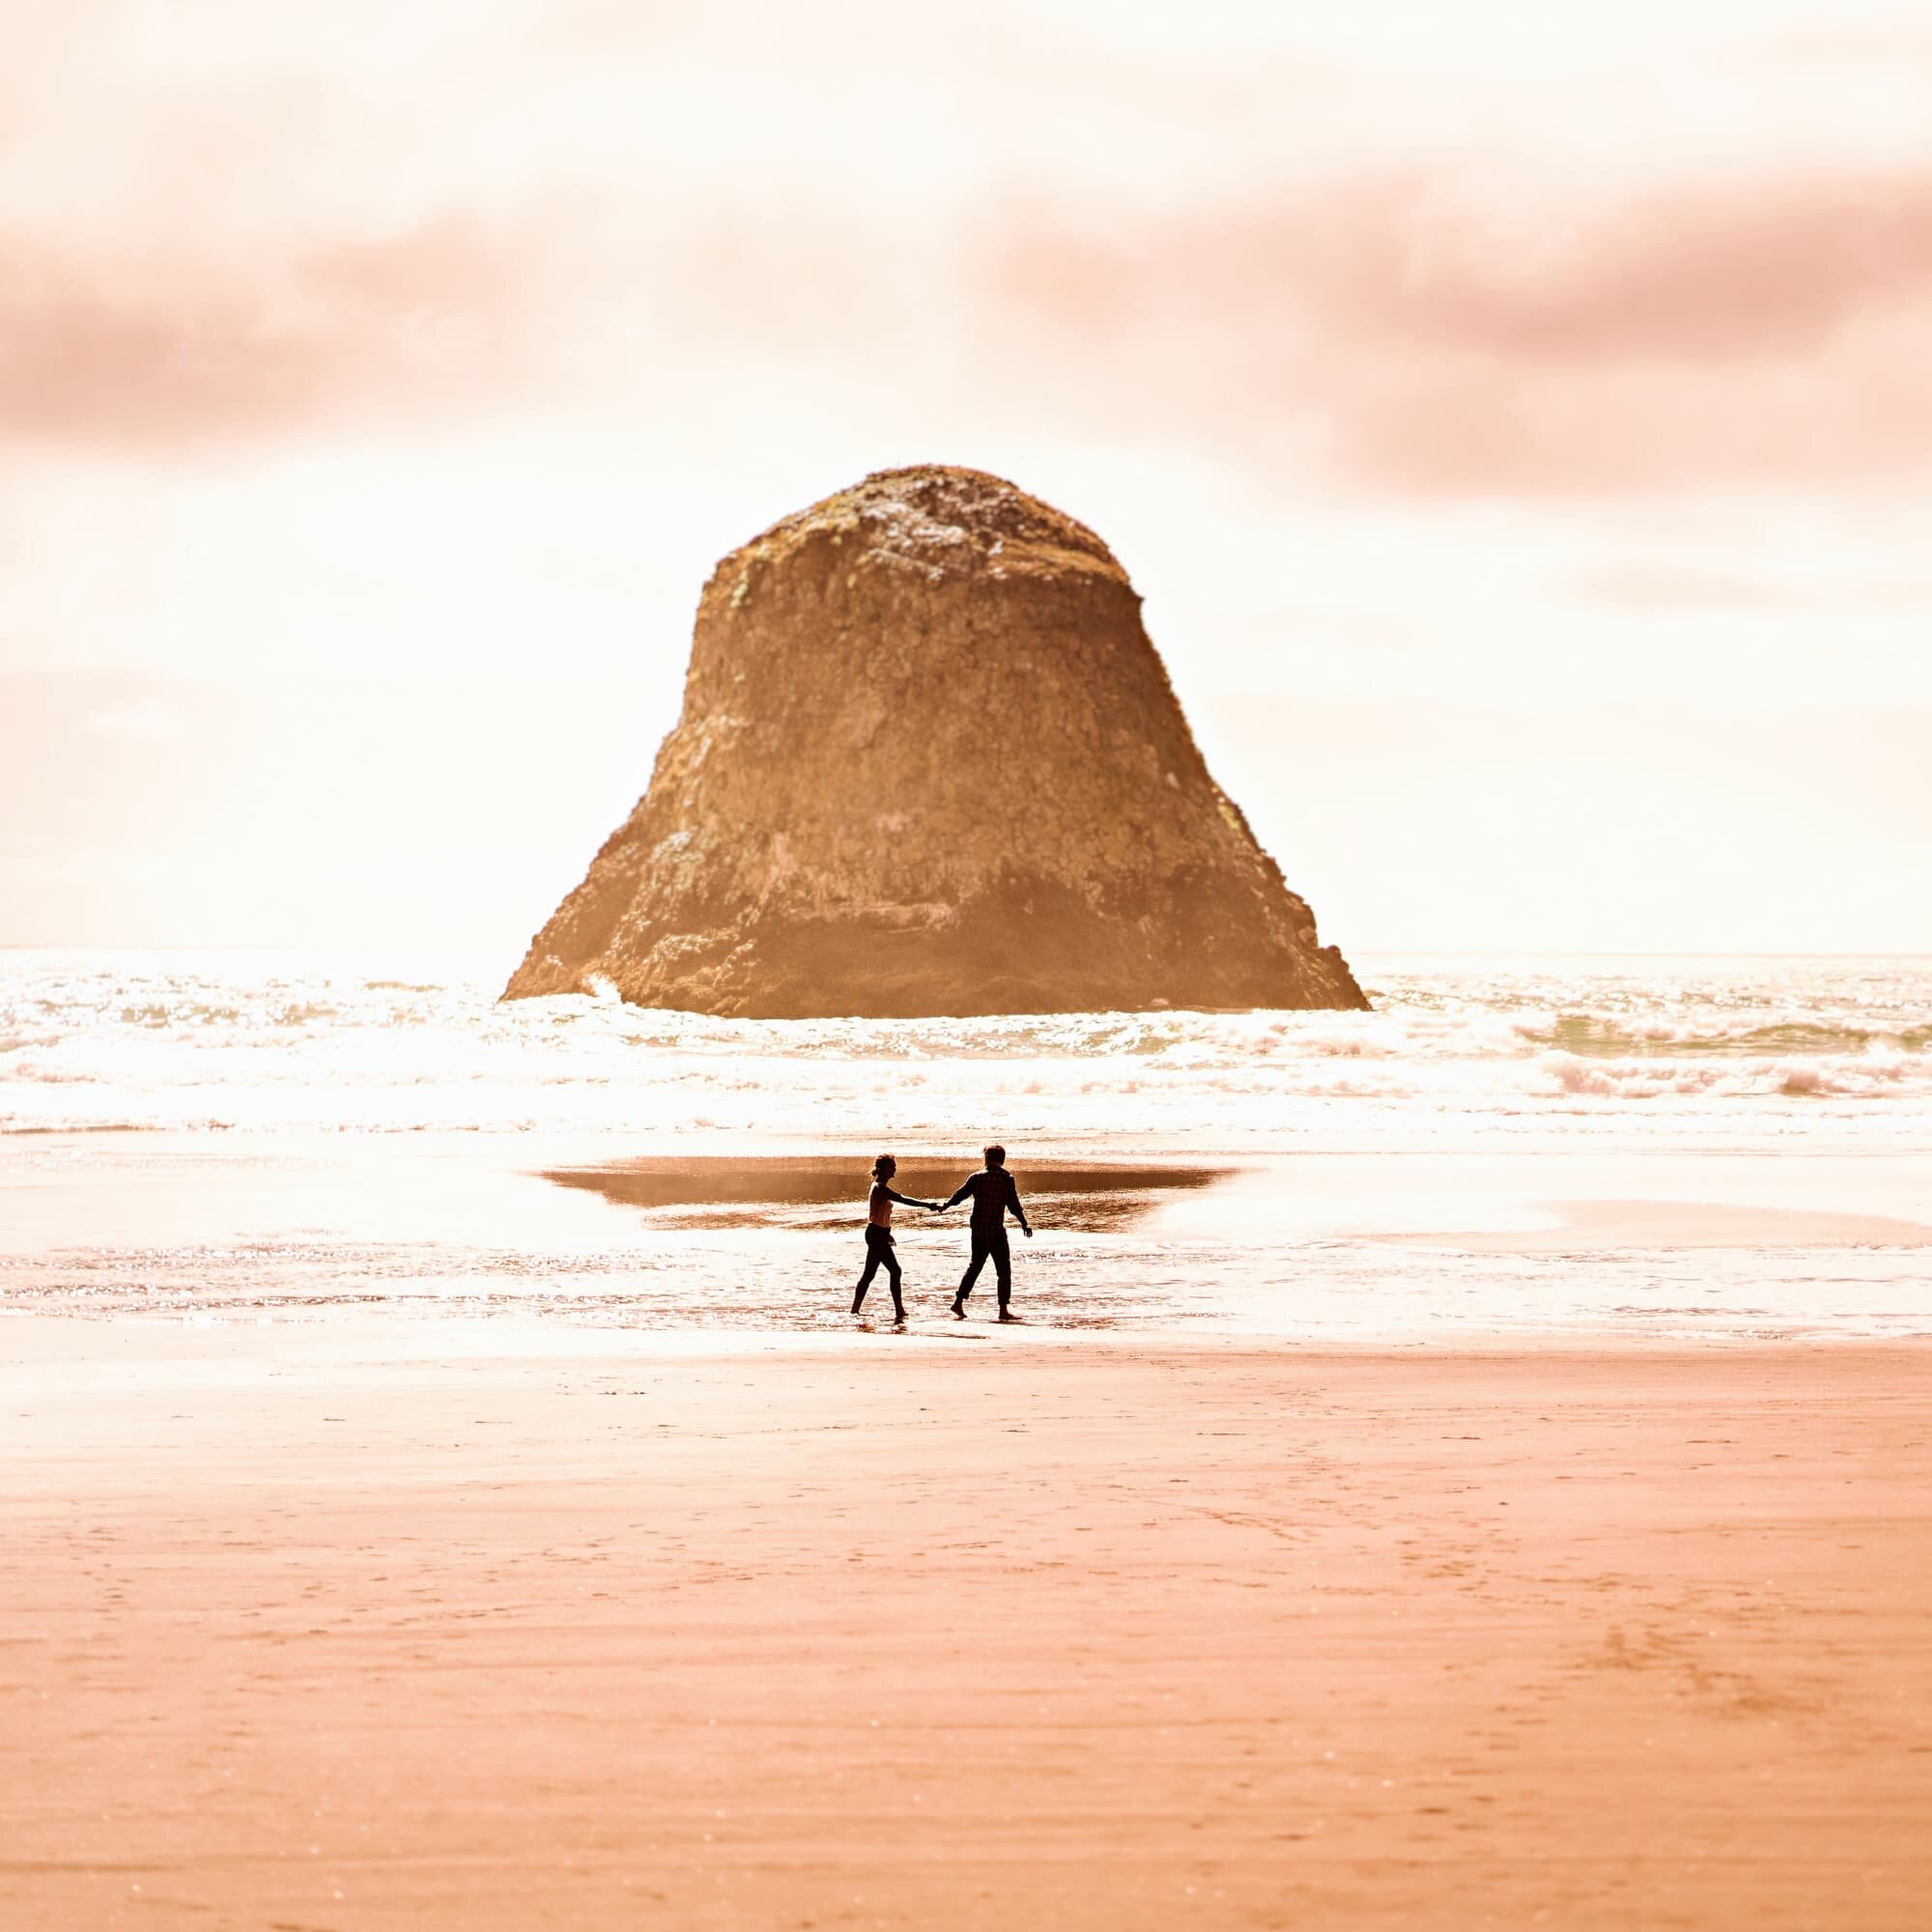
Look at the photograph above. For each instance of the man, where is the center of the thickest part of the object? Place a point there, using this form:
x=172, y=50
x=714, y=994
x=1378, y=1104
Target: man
x=993, y=1192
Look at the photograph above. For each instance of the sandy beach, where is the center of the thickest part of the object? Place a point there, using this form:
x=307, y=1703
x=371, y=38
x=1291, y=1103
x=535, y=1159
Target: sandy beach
x=379, y=1623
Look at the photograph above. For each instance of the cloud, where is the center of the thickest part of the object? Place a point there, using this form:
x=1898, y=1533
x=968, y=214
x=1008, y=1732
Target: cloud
x=1327, y=272
x=1634, y=583
x=1663, y=586
x=1690, y=275
x=1402, y=333
x=157, y=348
x=1413, y=334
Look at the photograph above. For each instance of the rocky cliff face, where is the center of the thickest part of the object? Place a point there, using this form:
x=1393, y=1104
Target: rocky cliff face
x=929, y=763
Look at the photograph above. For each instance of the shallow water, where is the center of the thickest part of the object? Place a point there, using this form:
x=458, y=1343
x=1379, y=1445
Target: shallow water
x=1736, y=1148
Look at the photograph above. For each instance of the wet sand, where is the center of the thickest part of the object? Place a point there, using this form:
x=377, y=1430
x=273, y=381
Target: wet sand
x=1356, y=1250
x=393, y=1623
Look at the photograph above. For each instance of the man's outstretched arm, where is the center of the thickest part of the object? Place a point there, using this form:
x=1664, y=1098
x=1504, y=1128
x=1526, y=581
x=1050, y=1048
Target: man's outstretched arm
x=965, y=1188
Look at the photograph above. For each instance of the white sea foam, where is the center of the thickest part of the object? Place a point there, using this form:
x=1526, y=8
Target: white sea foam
x=1743, y=1051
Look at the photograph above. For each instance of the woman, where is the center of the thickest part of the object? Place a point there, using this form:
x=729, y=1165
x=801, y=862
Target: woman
x=879, y=1233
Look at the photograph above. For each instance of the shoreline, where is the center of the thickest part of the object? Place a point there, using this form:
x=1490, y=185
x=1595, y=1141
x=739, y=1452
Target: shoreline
x=513, y=1333
x=1456, y=1247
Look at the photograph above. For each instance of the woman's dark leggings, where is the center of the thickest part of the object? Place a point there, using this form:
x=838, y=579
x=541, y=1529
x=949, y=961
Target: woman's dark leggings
x=878, y=1255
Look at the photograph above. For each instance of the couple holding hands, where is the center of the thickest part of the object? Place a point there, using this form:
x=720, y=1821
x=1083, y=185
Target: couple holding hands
x=991, y=1191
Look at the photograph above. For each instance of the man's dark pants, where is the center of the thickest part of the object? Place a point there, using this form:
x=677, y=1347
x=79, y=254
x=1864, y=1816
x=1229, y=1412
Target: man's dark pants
x=991, y=1241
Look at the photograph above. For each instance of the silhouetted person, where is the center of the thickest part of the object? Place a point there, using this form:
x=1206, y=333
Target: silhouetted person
x=879, y=1234
x=993, y=1192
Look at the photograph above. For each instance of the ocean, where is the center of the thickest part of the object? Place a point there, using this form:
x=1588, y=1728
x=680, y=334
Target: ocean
x=1693, y=1146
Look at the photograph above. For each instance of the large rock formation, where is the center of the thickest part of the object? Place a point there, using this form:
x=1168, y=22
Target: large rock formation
x=929, y=763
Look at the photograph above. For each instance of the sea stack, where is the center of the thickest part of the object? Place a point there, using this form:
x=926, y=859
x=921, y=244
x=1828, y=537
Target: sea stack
x=929, y=763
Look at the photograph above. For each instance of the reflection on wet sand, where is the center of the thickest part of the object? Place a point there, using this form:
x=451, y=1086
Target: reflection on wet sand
x=792, y=1191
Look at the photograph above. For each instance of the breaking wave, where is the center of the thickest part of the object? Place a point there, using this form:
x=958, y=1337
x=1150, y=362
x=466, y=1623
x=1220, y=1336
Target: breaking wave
x=1738, y=1048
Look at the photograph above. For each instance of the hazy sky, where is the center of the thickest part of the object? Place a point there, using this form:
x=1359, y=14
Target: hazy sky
x=1518, y=418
